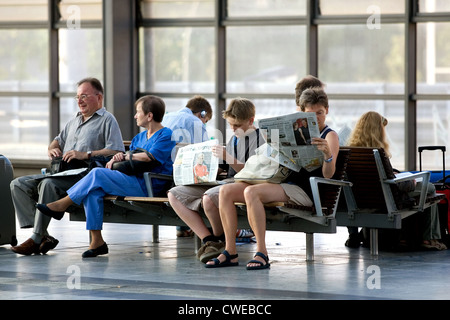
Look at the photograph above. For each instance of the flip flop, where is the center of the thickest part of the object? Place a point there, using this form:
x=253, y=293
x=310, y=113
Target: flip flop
x=226, y=263
x=261, y=265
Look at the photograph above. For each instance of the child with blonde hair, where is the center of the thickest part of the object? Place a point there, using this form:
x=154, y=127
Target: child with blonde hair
x=188, y=200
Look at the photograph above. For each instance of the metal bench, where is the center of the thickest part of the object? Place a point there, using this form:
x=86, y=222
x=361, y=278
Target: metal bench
x=375, y=199
x=319, y=218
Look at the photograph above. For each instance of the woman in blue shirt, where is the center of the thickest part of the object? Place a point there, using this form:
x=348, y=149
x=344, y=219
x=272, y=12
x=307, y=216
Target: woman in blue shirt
x=90, y=190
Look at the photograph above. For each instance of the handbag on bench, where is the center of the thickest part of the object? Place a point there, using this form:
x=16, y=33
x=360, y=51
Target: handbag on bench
x=135, y=167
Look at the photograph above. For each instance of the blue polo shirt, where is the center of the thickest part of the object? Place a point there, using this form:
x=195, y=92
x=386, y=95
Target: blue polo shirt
x=186, y=127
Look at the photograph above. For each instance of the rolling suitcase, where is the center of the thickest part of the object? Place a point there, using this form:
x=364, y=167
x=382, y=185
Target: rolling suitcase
x=7, y=212
x=439, y=179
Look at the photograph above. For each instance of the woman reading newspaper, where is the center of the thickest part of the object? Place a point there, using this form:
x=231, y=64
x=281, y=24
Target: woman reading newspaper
x=296, y=189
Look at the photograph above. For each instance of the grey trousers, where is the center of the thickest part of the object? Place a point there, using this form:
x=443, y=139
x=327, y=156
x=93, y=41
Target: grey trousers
x=431, y=225
x=26, y=191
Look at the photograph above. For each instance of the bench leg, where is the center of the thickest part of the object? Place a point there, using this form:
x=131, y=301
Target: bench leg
x=309, y=246
x=155, y=233
x=374, y=241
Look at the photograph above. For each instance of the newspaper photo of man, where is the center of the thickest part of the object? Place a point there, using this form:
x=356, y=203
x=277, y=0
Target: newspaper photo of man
x=201, y=173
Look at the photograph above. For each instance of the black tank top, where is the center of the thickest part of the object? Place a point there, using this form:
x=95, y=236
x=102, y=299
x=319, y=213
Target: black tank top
x=301, y=178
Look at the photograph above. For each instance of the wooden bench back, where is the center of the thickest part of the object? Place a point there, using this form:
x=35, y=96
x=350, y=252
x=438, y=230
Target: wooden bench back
x=363, y=173
x=329, y=194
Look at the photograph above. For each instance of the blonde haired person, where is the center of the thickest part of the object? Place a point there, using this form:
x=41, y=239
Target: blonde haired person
x=370, y=131
x=188, y=200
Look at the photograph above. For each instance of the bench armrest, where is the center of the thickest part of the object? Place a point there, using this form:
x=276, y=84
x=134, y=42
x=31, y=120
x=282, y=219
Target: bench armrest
x=425, y=175
x=314, y=181
x=148, y=176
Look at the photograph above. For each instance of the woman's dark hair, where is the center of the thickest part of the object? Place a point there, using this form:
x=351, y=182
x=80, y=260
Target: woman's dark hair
x=154, y=105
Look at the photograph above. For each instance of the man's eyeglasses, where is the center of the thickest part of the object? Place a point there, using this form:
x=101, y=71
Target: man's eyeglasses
x=84, y=96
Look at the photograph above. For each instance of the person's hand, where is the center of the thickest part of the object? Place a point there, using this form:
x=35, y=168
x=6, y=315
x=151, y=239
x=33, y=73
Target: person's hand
x=323, y=146
x=116, y=158
x=55, y=152
x=73, y=154
x=219, y=151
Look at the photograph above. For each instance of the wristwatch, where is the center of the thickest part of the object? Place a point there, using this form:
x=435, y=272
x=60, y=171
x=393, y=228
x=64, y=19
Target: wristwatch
x=328, y=160
x=89, y=154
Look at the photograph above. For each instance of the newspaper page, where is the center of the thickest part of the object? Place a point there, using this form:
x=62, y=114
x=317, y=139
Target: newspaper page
x=291, y=135
x=196, y=164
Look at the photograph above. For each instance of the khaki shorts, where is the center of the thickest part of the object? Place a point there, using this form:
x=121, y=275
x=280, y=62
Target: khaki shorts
x=191, y=196
x=296, y=194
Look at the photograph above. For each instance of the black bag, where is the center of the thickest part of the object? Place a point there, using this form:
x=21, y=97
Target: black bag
x=135, y=167
x=59, y=165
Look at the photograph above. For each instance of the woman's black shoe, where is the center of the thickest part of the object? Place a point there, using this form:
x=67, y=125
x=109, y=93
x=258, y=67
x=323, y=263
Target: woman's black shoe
x=49, y=212
x=91, y=253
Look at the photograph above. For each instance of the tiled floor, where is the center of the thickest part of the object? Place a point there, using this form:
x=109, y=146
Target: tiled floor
x=136, y=268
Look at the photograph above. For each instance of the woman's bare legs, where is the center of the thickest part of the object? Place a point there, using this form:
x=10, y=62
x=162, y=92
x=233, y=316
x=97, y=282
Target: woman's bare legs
x=61, y=205
x=96, y=239
x=229, y=194
x=255, y=197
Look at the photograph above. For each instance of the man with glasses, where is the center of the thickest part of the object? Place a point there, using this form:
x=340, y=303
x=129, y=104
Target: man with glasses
x=94, y=132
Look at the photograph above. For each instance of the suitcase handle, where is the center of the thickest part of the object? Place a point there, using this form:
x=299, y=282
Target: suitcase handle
x=442, y=148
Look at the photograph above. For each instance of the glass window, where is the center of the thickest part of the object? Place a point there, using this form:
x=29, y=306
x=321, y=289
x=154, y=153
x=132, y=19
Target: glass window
x=354, y=58
x=24, y=60
x=265, y=59
x=178, y=8
x=73, y=10
x=80, y=56
x=361, y=7
x=266, y=108
x=177, y=60
x=68, y=108
x=24, y=10
x=434, y=6
x=24, y=127
x=433, y=58
x=433, y=121
x=262, y=8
